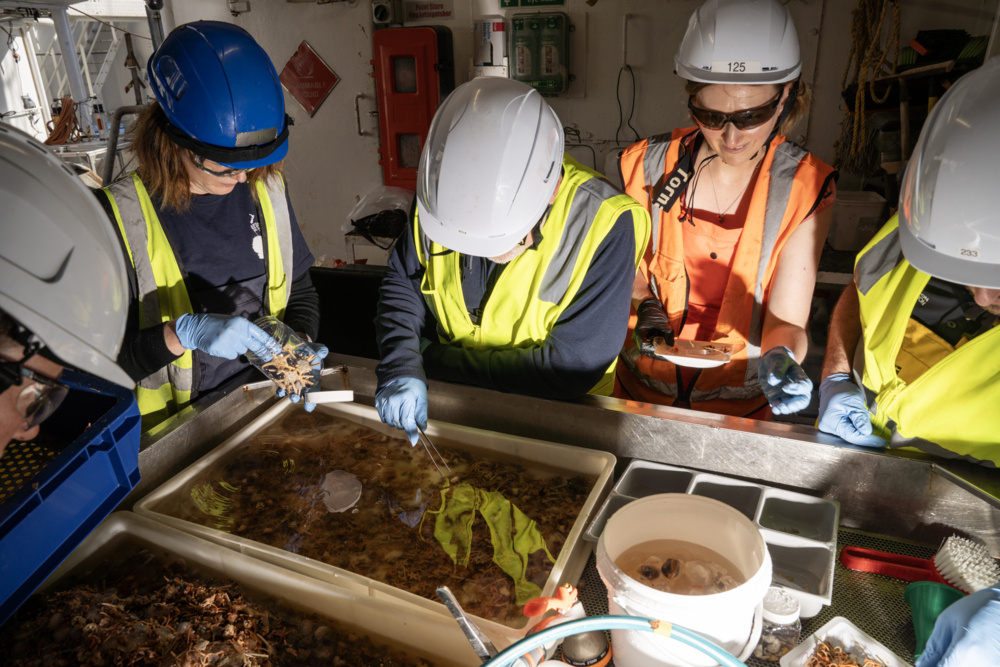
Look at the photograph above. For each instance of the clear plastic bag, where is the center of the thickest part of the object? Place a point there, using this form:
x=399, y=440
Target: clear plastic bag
x=296, y=369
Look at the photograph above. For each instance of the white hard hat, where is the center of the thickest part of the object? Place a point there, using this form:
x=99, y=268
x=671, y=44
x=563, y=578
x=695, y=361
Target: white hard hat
x=62, y=274
x=949, y=221
x=740, y=42
x=491, y=162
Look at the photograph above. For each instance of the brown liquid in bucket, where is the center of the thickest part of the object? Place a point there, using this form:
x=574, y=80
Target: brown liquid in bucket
x=679, y=567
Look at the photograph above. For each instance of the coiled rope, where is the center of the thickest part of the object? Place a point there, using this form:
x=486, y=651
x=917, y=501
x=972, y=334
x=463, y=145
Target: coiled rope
x=855, y=151
x=65, y=129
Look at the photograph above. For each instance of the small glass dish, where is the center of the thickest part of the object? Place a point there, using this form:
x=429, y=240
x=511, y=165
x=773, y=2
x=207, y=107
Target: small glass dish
x=296, y=369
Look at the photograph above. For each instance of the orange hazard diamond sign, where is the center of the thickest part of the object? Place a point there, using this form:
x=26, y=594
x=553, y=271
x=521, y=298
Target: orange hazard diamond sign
x=307, y=78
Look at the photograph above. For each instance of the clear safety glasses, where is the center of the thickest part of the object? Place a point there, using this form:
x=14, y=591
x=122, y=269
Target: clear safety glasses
x=39, y=398
x=743, y=120
x=221, y=173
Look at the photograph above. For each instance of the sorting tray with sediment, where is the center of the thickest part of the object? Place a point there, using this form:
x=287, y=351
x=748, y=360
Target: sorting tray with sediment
x=139, y=587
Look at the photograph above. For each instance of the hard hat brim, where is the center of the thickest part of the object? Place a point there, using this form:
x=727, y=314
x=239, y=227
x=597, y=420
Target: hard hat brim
x=952, y=269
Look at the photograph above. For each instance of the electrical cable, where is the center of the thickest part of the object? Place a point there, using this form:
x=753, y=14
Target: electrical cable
x=110, y=25
x=628, y=122
x=575, y=133
x=509, y=655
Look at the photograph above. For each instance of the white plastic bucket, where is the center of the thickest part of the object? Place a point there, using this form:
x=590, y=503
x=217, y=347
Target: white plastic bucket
x=730, y=619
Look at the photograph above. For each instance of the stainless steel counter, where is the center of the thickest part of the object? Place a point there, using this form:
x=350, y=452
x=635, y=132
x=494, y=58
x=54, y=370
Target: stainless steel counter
x=900, y=495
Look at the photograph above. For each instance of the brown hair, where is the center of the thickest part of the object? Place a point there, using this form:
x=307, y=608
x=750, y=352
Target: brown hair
x=161, y=167
x=799, y=109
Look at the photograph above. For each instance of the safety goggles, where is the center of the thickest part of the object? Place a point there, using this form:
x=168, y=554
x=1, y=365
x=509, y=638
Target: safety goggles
x=742, y=120
x=221, y=173
x=39, y=398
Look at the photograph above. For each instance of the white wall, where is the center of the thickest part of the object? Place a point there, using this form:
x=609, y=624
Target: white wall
x=329, y=166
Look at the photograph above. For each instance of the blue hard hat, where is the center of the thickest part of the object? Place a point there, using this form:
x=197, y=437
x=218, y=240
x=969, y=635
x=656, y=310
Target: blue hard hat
x=221, y=95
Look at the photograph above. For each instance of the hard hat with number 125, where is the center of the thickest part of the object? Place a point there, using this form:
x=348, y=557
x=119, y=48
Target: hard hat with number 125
x=740, y=42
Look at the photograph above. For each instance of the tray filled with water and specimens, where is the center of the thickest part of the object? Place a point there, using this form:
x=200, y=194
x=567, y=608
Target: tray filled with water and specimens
x=339, y=496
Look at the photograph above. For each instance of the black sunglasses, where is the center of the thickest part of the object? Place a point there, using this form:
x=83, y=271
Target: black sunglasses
x=199, y=162
x=743, y=120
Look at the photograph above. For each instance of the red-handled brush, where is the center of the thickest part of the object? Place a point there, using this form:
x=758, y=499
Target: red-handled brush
x=960, y=563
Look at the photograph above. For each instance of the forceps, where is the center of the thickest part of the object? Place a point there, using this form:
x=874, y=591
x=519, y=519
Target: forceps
x=428, y=446
x=481, y=644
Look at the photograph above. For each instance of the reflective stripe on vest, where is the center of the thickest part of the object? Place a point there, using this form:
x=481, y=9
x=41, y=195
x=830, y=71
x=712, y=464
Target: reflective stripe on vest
x=950, y=409
x=278, y=223
x=779, y=208
x=163, y=295
x=534, y=290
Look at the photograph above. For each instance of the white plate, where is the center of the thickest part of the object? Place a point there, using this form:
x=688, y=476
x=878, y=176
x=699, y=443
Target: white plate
x=695, y=353
x=841, y=632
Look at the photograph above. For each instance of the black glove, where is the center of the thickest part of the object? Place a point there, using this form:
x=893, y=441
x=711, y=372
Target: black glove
x=652, y=323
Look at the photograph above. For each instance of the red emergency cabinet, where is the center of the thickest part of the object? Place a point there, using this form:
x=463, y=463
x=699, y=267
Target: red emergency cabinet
x=414, y=72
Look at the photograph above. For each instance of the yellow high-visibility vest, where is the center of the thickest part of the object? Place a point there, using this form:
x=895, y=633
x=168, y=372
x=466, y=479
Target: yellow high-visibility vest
x=950, y=409
x=537, y=286
x=162, y=293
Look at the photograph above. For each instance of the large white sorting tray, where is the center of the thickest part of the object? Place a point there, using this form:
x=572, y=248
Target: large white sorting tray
x=800, y=530
x=430, y=636
x=570, y=561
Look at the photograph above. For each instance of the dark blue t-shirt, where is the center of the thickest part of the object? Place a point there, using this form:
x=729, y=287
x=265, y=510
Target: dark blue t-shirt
x=219, y=245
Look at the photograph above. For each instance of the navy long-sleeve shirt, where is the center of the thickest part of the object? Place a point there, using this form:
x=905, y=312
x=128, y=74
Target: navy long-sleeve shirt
x=573, y=358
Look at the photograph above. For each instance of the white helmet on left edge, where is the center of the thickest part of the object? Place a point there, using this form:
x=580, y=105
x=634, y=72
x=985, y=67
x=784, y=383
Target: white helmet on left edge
x=490, y=164
x=62, y=274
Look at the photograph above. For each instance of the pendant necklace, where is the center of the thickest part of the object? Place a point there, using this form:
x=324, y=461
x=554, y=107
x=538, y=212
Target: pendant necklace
x=715, y=190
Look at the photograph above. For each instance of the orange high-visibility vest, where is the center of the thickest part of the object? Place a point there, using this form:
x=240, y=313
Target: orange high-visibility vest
x=787, y=192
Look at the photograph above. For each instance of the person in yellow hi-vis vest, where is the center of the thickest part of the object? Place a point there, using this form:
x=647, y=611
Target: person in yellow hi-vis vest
x=211, y=238
x=925, y=301
x=516, y=273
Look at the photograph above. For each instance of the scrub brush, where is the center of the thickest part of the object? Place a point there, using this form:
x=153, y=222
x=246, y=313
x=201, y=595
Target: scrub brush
x=966, y=565
x=960, y=563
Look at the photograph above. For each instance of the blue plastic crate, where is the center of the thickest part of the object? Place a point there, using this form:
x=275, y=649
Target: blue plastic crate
x=43, y=521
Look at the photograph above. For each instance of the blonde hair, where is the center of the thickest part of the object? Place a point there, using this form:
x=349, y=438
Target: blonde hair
x=799, y=109
x=161, y=166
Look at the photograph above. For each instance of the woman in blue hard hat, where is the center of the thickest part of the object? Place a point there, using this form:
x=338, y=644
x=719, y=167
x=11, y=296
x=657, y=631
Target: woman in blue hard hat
x=740, y=215
x=206, y=220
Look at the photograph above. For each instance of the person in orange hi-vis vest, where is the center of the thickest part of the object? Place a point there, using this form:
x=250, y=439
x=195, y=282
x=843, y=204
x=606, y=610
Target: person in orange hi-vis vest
x=739, y=218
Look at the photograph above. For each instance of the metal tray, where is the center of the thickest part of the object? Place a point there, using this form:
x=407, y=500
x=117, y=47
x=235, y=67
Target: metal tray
x=431, y=636
x=569, y=562
x=800, y=530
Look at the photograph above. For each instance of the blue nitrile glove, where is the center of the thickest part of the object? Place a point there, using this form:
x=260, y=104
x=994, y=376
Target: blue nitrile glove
x=651, y=322
x=403, y=403
x=966, y=633
x=785, y=384
x=843, y=412
x=319, y=352
x=224, y=336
